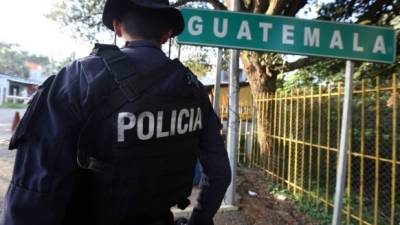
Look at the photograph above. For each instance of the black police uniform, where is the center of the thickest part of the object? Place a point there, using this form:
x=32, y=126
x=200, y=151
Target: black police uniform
x=139, y=153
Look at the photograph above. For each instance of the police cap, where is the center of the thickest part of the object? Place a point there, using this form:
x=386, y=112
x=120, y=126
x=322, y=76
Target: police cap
x=114, y=8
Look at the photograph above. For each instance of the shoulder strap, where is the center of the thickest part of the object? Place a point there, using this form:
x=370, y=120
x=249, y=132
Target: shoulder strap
x=124, y=72
x=116, y=61
x=130, y=85
x=134, y=86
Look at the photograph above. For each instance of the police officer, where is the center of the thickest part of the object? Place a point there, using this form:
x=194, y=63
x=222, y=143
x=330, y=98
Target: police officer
x=113, y=138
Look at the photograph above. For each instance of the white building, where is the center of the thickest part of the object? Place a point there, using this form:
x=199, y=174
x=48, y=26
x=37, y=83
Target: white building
x=16, y=89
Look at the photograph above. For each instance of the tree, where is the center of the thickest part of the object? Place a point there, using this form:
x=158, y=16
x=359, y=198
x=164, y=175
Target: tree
x=198, y=63
x=385, y=13
x=13, y=59
x=82, y=17
x=262, y=69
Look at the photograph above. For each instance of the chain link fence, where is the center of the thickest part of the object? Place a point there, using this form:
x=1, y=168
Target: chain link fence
x=294, y=137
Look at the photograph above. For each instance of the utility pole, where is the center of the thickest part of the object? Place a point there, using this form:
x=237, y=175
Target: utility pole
x=233, y=116
x=344, y=144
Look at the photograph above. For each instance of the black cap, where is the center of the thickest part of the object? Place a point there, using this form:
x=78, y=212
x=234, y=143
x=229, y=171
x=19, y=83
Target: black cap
x=113, y=8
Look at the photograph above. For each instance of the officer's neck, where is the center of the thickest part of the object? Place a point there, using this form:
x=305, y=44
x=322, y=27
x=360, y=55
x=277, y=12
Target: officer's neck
x=131, y=38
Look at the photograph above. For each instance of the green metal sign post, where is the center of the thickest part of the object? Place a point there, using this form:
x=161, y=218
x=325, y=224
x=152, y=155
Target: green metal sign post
x=288, y=35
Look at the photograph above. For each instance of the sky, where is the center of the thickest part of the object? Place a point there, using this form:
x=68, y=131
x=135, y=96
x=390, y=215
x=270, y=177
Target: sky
x=23, y=22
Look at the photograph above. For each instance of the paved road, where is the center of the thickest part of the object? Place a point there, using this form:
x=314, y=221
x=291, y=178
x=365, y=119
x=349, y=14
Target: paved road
x=6, y=118
x=6, y=157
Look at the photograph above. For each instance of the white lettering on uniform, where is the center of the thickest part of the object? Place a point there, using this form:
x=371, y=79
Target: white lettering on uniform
x=182, y=122
x=195, y=29
x=140, y=123
x=379, y=45
x=198, y=124
x=217, y=33
x=122, y=126
x=160, y=132
x=173, y=122
x=191, y=120
x=183, y=129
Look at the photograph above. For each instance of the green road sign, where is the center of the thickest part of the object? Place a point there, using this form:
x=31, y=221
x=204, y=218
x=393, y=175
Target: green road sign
x=288, y=35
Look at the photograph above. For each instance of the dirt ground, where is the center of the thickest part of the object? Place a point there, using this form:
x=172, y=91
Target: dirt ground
x=263, y=209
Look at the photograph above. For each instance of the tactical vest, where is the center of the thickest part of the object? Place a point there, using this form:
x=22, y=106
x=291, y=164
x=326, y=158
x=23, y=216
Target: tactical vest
x=154, y=139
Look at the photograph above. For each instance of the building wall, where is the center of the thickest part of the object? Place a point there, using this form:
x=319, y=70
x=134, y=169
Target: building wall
x=18, y=87
x=4, y=89
x=244, y=96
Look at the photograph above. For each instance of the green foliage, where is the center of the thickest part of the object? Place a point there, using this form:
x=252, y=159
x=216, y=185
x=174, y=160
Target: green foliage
x=277, y=190
x=310, y=208
x=13, y=59
x=198, y=63
x=380, y=12
x=13, y=106
x=82, y=17
x=314, y=211
x=225, y=59
x=360, y=178
x=60, y=64
x=383, y=13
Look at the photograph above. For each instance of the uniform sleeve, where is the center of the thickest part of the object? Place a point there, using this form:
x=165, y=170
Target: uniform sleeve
x=215, y=168
x=45, y=163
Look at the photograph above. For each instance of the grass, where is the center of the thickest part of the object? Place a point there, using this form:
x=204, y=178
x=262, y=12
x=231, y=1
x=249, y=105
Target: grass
x=13, y=106
x=316, y=212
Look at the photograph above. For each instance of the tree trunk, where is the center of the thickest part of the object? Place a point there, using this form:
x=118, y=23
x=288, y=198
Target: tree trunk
x=262, y=75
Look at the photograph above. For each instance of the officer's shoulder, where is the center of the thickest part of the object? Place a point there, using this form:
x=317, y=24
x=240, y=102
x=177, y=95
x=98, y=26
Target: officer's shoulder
x=198, y=88
x=191, y=78
x=91, y=65
x=90, y=59
x=77, y=63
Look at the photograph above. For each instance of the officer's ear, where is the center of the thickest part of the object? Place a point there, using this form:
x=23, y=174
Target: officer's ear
x=166, y=36
x=117, y=27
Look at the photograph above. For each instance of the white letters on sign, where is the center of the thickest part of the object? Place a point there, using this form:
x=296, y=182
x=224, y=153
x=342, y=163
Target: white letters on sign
x=265, y=27
x=336, y=41
x=290, y=36
x=379, y=45
x=182, y=122
x=220, y=32
x=244, y=31
x=311, y=38
x=287, y=34
x=195, y=25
